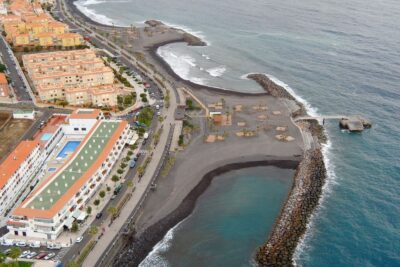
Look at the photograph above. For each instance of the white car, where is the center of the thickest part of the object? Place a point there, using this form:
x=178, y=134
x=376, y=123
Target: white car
x=34, y=244
x=6, y=243
x=31, y=255
x=21, y=244
x=25, y=253
x=79, y=239
x=49, y=256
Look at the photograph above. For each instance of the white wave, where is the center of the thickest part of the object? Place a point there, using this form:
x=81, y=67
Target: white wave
x=181, y=64
x=244, y=76
x=201, y=81
x=82, y=6
x=205, y=56
x=217, y=71
x=310, y=110
x=155, y=257
x=331, y=181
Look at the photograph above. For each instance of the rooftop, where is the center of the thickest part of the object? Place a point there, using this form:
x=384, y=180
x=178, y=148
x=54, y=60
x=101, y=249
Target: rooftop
x=11, y=164
x=85, y=114
x=59, y=188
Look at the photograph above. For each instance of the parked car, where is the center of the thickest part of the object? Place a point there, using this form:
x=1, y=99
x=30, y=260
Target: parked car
x=53, y=246
x=21, y=244
x=49, y=256
x=25, y=253
x=79, y=239
x=34, y=244
x=6, y=243
x=7, y=251
x=31, y=255
x=41, y=255
x=99, y=215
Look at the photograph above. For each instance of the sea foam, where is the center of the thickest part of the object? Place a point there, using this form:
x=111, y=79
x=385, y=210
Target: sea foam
x=217, y=71
x=181, y=64
x=155, y=257
x=83, y=7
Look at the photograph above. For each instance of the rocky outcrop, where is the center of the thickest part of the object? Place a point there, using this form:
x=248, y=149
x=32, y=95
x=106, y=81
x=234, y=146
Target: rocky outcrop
x=292, y=223
x=277, y=91
x=188, y=38
x=154, y=23
x=192, y=40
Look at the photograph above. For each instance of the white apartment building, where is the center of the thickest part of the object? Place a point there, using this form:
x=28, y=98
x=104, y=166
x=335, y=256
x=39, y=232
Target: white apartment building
x=16, y=172
x=61, y=198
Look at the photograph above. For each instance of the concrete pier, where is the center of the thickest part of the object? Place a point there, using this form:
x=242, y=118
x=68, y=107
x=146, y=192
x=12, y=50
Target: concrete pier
x=354, y=123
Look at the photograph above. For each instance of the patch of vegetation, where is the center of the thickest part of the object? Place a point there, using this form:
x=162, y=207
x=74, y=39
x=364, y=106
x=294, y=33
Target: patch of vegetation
x=74, y=227
x=125, y=101
x=85, y=252
x=146, y=116
x=191, y=105
x=169, y=163
x=2, y=68
x=181, y=141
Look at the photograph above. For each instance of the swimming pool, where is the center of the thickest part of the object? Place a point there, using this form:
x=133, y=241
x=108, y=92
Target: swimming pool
x=52, y=169
x=46, y=136
x=68, y=149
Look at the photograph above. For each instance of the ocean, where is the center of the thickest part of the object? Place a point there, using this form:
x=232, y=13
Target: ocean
x=339, y=58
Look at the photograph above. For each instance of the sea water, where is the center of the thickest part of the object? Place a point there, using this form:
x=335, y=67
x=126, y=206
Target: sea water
x=343, y=57
x=232, y=217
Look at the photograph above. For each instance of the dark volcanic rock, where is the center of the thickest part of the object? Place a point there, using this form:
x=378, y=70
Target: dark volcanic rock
x=154, y=23
x=277, y=91
x=192, y=40
x=292, y=223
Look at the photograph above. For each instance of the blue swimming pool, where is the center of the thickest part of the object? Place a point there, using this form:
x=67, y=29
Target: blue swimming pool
x=68, y=149
x=52, y=169
x=46, y=136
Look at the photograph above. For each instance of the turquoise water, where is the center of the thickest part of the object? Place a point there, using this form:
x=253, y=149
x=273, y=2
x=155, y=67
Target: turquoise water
x=68, y=149
x=46, y=136
x=233, y=216
x=343, y=58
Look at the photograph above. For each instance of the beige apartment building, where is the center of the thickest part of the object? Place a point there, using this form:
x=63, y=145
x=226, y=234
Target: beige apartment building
x=77, y=76
x=28, y=25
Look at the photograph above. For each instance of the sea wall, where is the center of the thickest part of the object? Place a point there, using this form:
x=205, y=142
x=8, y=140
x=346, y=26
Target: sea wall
x=292, y=223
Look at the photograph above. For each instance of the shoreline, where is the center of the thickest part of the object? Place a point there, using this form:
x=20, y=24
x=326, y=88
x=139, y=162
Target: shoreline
x=272, y=252
x=144, y=244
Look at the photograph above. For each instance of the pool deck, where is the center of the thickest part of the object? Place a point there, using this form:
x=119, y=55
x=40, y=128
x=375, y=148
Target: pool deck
x=50, y=127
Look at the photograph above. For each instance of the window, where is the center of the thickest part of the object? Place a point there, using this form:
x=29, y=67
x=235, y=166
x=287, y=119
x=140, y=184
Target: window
x=15, y=232
x=83, y=129
x=76, y=129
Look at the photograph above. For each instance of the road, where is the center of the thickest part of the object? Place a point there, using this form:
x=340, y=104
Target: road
x=18, y=84
x=102, y=249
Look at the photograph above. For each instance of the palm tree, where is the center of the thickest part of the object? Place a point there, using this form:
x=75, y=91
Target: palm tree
x=3, y=257
x=15, y=252
x=140, y=171
x=93, y=230
x=112, y=211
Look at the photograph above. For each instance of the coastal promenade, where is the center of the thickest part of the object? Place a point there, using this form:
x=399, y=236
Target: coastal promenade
x=100, y=252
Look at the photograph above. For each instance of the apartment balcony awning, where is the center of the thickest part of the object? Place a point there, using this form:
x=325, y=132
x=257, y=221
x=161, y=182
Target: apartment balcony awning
x=68, y=222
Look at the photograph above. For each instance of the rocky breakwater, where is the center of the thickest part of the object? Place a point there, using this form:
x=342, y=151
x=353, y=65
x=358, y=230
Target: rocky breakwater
x=277, y=91
x=306, y=190
x=292, y=223
x=188, y=38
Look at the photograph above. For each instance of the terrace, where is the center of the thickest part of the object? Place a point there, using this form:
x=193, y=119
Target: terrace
x=80, y=162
